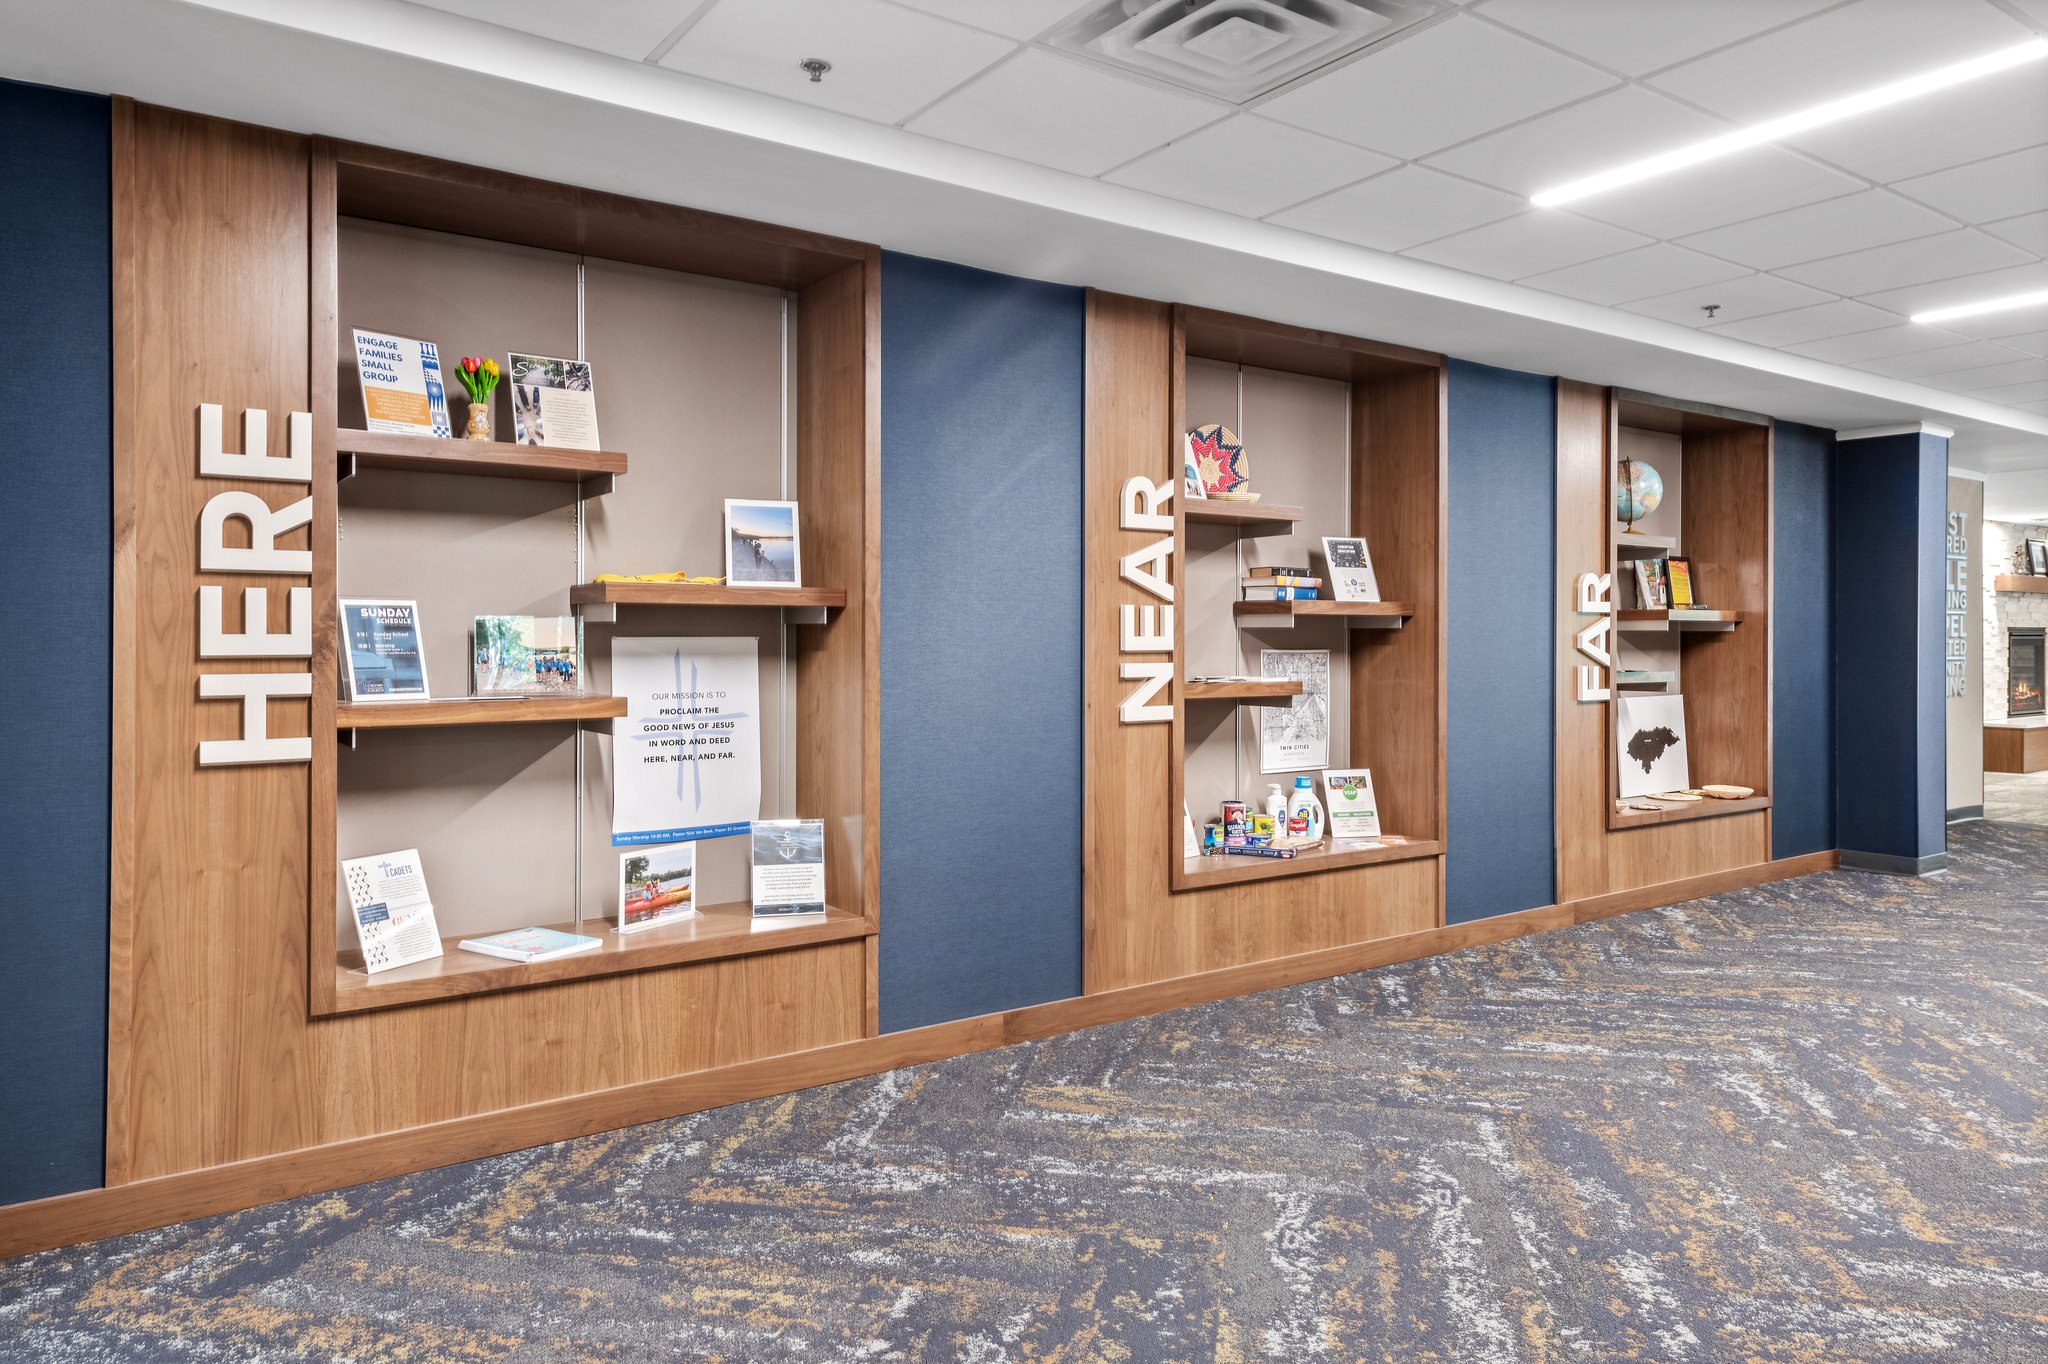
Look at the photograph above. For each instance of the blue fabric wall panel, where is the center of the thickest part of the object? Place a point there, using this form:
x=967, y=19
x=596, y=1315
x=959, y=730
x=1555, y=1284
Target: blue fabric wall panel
x=1891, y=508
x=1802, y=642
x=56, y=532
x=981, y=641
x=1500, y=856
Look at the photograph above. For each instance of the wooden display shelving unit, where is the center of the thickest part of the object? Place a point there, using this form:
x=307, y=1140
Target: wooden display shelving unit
x=472, y=710
x=1717, y=470
x=392, y=235
x=719, y=932
x=1371, y=424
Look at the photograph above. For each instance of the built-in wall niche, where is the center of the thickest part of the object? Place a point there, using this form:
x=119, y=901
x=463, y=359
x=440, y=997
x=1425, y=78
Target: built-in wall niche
x=1715, y=468
x=729, y=360
x=1342, y=437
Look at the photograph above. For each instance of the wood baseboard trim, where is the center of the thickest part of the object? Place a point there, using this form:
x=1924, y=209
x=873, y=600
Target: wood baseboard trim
x=72, y=1218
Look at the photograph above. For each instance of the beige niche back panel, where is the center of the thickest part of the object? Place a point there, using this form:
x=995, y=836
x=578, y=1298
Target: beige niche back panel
x=689, y=373
x=492, y=809
x=1296, y=432
x=1664, y=452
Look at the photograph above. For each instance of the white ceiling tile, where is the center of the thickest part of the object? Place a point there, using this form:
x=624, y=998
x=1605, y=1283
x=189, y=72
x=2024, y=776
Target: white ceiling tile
x=2016, y=393
x=2000, y=114
x=1856, y=347
x=1749, y=296
x=1808, y=324
x=1400, y=209
x=1528, y=244
x=1062, y=114
x=887, y=62
x=1620, y=126
x=624, y=28
x=2029, y=231
x=2030, y=407
x=1834, y=227
x=2033, y=343
x=1454, y=80
x=1945, y=255
x=1641, y=273
x=2037, y=10
x=2032, y=370
x=2017, y=279
x=1634, y=37
x=1986, y=191
x=1249, y=166
x=1019, y=19
x=1853, y=48
x=1756, y=182
x=1942, y=360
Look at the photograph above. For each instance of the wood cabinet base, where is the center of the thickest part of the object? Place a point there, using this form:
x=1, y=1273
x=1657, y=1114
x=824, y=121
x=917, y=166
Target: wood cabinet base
x=2015, y=748
x=72, y=1218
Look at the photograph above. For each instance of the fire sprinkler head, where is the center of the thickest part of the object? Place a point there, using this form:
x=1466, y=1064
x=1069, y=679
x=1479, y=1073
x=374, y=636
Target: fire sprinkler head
x=816, y=66
x=1710, y=309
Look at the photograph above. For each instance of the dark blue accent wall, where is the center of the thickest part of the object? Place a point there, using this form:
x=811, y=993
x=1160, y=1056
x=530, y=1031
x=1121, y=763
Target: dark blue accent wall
x=1891, y=727
x=1502, y=566
x=981, y=641
x=56, y=557
x=1802, y=642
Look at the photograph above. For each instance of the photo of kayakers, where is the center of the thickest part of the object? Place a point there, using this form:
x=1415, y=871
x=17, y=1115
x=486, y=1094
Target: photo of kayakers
x=655, y=885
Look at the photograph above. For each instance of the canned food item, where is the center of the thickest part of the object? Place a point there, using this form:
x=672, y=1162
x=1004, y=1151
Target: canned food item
x=1234, y=818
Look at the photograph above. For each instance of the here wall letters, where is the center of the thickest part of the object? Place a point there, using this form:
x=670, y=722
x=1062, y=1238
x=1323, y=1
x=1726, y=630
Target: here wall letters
x=255, y=690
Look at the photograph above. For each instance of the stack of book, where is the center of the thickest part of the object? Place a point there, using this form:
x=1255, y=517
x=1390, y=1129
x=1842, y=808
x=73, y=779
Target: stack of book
x=1279, y=583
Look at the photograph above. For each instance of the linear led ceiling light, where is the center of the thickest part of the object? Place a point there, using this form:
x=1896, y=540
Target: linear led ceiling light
x=1988, y=305
x=1820, y=115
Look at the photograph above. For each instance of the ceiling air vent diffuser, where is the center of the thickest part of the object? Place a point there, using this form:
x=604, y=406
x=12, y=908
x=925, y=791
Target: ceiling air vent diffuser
x=1233, y=49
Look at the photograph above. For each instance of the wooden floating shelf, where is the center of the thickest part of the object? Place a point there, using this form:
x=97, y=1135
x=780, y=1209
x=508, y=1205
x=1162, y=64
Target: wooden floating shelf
x=1239, y=513
x=1656, y=619
x=1224, y=869
x=1706, y=808
x=1385, y=614
x=460, y=710
x=1626, y=539
x=1243, y=693
x=2019, y=582
x=704, y=594
x=487, y=459
x=719, y=931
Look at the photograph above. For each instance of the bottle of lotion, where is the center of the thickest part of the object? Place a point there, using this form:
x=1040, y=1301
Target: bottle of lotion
x=1305, y=812
x=1276, y=806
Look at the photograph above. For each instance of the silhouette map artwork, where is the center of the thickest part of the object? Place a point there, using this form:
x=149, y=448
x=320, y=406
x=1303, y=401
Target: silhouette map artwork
x=1648, y=745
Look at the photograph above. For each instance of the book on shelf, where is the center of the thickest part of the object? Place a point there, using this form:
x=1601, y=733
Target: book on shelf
x=1278, y=571
x=1281, y=580
x=1684, y=584
x=394, y=917
x=512, y=656
x=789, y=867
x=657, y=885
x=1652, y=588
x=1351, y=575
x=1279, y=594
x=401, y=385
x=553, y=402
x=382, y=658
x=1261, y=850
x=529, y=945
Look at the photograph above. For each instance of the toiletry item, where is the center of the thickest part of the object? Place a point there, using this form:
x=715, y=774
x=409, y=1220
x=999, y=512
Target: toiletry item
x=1305, y=812
x=1276, y=803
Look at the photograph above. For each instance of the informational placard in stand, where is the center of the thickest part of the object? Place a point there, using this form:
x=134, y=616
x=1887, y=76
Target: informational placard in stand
x=686, y=760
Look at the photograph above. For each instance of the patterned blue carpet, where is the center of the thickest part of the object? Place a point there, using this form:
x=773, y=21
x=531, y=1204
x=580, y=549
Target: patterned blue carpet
x=1800, y=1123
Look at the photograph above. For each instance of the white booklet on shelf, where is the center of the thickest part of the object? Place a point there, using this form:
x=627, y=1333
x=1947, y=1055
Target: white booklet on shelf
x=394, y=917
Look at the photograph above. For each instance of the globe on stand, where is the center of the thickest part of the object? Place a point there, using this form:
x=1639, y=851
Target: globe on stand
x=1637, y=492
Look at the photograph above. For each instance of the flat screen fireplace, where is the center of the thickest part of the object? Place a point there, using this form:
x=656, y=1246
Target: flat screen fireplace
x=2026, y=653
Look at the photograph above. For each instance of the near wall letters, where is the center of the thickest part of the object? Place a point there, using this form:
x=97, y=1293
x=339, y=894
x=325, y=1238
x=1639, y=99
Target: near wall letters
x=1147, y=629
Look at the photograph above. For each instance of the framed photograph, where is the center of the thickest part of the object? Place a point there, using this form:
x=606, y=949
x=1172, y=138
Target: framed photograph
x=1190, y=470
x=657, y=885
x=382, y=658
x=1649, y=745
x=1350, y=565
x=2037, y=558
x=761, y=547
x=526, y=656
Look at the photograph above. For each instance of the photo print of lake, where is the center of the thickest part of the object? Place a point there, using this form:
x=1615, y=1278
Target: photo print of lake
x=761, y=544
